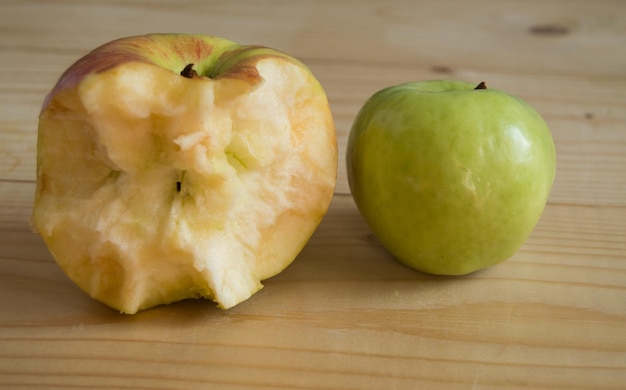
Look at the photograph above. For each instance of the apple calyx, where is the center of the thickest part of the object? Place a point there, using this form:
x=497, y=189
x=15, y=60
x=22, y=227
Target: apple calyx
x=482, y=85
x=189, y=72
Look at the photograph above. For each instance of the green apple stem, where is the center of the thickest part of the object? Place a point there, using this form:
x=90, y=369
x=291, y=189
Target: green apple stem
x=482, y=85
x=189, y=72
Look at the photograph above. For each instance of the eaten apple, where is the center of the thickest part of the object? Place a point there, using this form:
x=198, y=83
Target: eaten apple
x=452, y=177
x=174, y=166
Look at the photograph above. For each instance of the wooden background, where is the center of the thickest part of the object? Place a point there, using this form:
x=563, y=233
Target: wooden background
x=345, y=315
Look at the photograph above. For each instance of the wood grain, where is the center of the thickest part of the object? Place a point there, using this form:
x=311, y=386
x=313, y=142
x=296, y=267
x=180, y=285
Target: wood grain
x=345, y=314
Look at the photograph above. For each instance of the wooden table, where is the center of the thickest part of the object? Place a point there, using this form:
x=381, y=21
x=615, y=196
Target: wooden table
x=345, y=315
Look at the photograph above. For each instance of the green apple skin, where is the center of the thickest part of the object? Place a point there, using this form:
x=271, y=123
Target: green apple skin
x=450, y=179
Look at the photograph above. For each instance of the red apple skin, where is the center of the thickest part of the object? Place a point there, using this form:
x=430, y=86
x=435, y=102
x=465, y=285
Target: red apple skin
x=170, y=51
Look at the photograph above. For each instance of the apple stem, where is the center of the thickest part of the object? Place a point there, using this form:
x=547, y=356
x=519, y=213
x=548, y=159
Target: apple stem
x=189, y=72
x=482, y=85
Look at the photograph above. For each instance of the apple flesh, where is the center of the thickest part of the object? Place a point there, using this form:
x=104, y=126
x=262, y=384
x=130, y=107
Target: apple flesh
x=450, y=176
x=175, y=166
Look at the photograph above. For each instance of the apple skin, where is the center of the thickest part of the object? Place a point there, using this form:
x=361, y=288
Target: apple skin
x=211, y=56
x=451, y=179
x=176, y=166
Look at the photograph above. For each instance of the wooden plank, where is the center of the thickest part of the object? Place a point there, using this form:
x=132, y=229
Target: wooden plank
x=343, y=315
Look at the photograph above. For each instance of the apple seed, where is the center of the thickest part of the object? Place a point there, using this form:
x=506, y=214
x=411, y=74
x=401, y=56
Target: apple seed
x=179, y=181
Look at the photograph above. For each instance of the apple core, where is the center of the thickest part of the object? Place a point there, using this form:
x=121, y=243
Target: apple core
x=153, y=188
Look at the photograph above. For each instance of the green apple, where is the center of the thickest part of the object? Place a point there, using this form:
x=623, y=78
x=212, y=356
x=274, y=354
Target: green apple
x=175, y=166
x=451, y=177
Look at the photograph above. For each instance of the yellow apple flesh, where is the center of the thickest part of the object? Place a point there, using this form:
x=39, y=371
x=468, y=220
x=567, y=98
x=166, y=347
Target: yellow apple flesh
x=153, y=187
